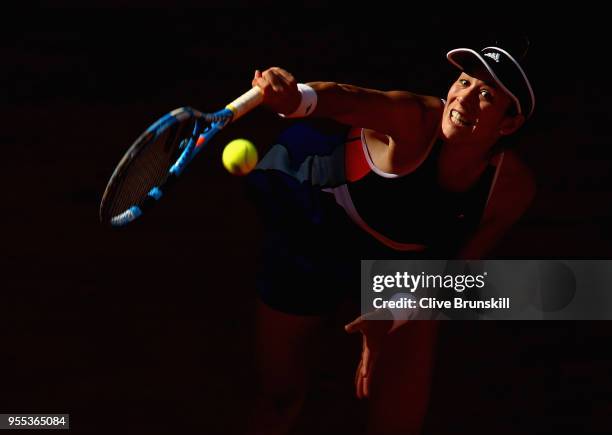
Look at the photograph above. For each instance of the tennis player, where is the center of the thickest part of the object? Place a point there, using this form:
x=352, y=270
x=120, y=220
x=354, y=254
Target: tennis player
x=414, y=176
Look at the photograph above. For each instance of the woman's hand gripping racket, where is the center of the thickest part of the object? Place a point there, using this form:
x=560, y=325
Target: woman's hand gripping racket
x=161, y=154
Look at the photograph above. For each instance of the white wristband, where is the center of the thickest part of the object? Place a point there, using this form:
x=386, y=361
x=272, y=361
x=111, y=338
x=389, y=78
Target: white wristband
x=308, y=102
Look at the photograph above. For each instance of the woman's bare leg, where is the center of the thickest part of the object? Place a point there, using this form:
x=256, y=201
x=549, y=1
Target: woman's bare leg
x=401, y=380
x=286, y=348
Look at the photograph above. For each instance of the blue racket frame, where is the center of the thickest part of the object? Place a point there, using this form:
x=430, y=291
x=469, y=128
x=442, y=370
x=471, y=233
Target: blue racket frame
x=205, y=127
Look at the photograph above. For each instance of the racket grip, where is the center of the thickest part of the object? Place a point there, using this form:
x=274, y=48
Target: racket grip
x=246, y=102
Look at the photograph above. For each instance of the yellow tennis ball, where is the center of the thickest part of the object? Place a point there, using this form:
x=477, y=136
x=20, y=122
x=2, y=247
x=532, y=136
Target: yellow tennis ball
x=239, y=156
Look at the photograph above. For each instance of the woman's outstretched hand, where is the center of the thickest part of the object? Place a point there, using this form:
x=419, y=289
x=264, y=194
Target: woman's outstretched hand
x=279, y=89
x=374, y=328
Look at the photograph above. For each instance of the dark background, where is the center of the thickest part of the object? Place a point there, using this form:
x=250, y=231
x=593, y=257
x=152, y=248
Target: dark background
x=149, y=328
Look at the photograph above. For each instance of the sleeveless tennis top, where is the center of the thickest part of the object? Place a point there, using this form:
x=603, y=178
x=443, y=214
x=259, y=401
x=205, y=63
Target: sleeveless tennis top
x=405, y=212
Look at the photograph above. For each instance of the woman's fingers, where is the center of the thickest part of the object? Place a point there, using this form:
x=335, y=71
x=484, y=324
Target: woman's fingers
x=276, y=81
x=256, y=77
x=285, y=75
x=365, y=361
x=363, y=375
x=358, y=372
x=366, y=386
x=279, y=89
x=368, y=361
x=360, y=391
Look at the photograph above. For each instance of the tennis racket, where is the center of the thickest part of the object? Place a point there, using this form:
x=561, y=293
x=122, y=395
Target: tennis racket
x=161, y=154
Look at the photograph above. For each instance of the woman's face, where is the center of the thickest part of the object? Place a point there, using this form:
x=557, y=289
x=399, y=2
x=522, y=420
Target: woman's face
x=475, y=111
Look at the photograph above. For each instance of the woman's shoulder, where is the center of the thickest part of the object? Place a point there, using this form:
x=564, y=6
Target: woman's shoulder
x=410, y=146
x=434, y=104
x=420, y=115
x=431, y=109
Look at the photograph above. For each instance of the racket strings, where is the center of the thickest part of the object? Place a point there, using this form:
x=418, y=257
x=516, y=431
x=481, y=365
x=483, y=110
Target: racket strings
x=149, y=168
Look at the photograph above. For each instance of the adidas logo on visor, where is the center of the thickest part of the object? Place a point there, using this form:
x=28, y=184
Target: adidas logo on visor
x=494, y=56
